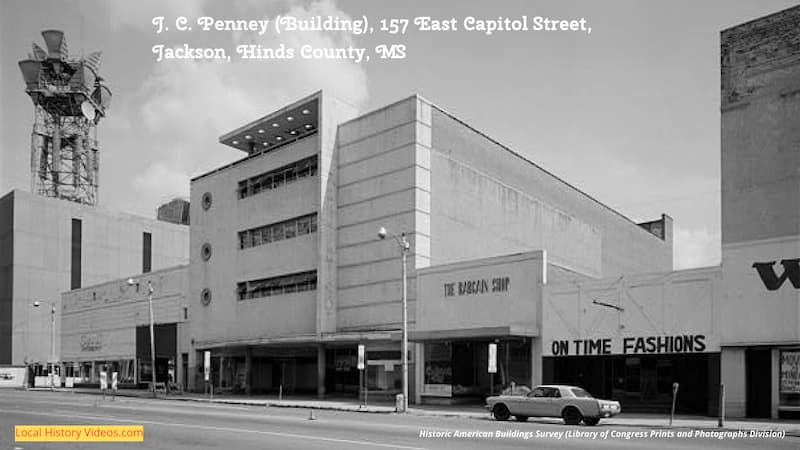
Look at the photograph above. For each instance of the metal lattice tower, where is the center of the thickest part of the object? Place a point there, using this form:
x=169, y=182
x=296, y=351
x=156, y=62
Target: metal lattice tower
x=69, y=100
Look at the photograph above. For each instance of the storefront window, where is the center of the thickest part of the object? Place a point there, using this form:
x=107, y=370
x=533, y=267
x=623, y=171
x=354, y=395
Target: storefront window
x=438, y=370
x=384, y=371
x=790, y=378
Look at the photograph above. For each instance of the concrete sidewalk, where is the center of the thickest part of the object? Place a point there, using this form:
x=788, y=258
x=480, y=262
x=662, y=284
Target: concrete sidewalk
x=650, y=421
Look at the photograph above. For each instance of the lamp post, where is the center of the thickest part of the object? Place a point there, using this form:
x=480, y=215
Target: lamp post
x=131, y=282
x=404, y=248
x=37, y=304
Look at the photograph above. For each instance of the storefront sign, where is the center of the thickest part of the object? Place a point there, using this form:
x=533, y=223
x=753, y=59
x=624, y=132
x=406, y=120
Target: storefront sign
x=477, y=287
x=12, y=377
x=360, y=356
x=790, y=372
x=438, y=390
x=687, y=343
x=206, y=365
x=771, y=280
x=91, y=342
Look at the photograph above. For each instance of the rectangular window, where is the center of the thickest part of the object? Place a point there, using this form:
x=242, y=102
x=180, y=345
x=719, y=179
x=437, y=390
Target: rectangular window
x=285, y=284
x=287, y=229
x=303, y=225
x=277, y=232
x=147, y=252
x=275, y=178
x=75, y=255
x=290, y=230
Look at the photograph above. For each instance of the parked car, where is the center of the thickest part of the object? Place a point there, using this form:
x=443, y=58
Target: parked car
x=571, y=403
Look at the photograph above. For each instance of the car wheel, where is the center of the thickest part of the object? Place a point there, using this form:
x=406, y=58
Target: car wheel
x=571, y=416
x=501, y=412
x=591, y=421
x=521, y=418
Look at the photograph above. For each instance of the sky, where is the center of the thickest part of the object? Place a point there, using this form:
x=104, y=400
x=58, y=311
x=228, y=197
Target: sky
x=628, y=113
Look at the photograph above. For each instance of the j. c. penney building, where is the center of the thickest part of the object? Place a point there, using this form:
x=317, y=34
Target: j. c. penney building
x=509, y=266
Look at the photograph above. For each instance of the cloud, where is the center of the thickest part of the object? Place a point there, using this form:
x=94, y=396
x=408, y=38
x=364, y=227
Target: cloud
x=172, y=120
x=696, y=248
x=140, y=13
x=162, y=182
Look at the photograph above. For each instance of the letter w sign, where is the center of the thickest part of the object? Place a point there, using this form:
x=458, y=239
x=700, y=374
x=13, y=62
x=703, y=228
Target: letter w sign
x=773, y=282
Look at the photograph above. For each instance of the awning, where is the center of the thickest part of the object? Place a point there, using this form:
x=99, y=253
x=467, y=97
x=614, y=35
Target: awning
x=507, y=331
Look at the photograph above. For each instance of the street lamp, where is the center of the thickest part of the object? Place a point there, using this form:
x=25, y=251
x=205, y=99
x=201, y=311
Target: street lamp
x=37, y=304
x=131, y=282
x=404, y=248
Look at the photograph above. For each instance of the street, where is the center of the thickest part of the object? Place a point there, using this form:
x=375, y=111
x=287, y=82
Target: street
x=193, y=425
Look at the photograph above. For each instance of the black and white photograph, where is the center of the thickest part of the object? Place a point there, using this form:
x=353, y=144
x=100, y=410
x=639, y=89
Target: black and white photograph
x=355, y=224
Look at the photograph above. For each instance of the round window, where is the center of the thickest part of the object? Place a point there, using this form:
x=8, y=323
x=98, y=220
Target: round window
x=205, y=251
x=205, y=297
x=206, y=200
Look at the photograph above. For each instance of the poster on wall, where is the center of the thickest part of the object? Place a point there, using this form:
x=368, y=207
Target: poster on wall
x=12, y=377
x=790, y=372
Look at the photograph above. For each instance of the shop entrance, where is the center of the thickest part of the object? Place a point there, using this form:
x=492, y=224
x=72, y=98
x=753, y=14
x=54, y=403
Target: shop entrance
x=457, y=371
x=758, y=376
x=642, y=383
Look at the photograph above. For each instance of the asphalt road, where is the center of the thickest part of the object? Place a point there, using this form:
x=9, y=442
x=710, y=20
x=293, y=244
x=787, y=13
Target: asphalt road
x=198, y=426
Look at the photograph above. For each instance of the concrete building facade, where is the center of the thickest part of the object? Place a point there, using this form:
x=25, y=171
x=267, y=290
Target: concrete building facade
x=290, y=254
x=760, y=324
x=747, y=310
x=48, y=246
x=106, y=326
x=629, y=338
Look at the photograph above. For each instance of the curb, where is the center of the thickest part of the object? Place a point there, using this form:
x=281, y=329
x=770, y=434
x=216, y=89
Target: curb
x=283, y=404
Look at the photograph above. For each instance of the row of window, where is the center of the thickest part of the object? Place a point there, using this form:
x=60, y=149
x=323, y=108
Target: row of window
x=278, y=231
x=285, y=284
x=278, y=177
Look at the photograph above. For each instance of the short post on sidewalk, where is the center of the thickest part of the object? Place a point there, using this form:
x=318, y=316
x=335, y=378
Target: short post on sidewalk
x=674, y=396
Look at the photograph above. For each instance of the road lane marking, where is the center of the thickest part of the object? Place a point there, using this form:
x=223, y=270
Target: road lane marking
x=223, y=429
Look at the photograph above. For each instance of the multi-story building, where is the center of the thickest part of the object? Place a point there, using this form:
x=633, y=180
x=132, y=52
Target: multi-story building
x=732, y=328
x=287, y=273
x=760, y=320
x=106, y=327
x=48, y=246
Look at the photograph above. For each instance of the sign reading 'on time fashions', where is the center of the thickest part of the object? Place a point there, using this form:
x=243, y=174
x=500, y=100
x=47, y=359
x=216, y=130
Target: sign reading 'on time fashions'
x=687, y=343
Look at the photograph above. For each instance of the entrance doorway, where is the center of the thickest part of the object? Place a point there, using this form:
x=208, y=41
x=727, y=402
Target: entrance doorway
x=758, y=377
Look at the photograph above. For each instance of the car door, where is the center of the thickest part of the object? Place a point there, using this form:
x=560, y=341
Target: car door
x=555, y=402
x=536, y=403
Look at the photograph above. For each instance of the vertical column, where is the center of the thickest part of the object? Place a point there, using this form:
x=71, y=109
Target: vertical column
x=536, y=361
x=321, y=371
x=248, y=370
x=419, y=371
x=221, y=370
x=776, y=381
x=732, y=374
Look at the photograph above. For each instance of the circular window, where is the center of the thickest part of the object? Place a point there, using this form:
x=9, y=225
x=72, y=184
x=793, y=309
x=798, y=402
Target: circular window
x=206, y=200
x=205, y=251
x=205, y=297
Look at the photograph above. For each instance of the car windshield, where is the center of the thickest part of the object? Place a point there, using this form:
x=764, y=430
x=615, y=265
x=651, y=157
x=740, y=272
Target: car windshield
x=578, y=392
